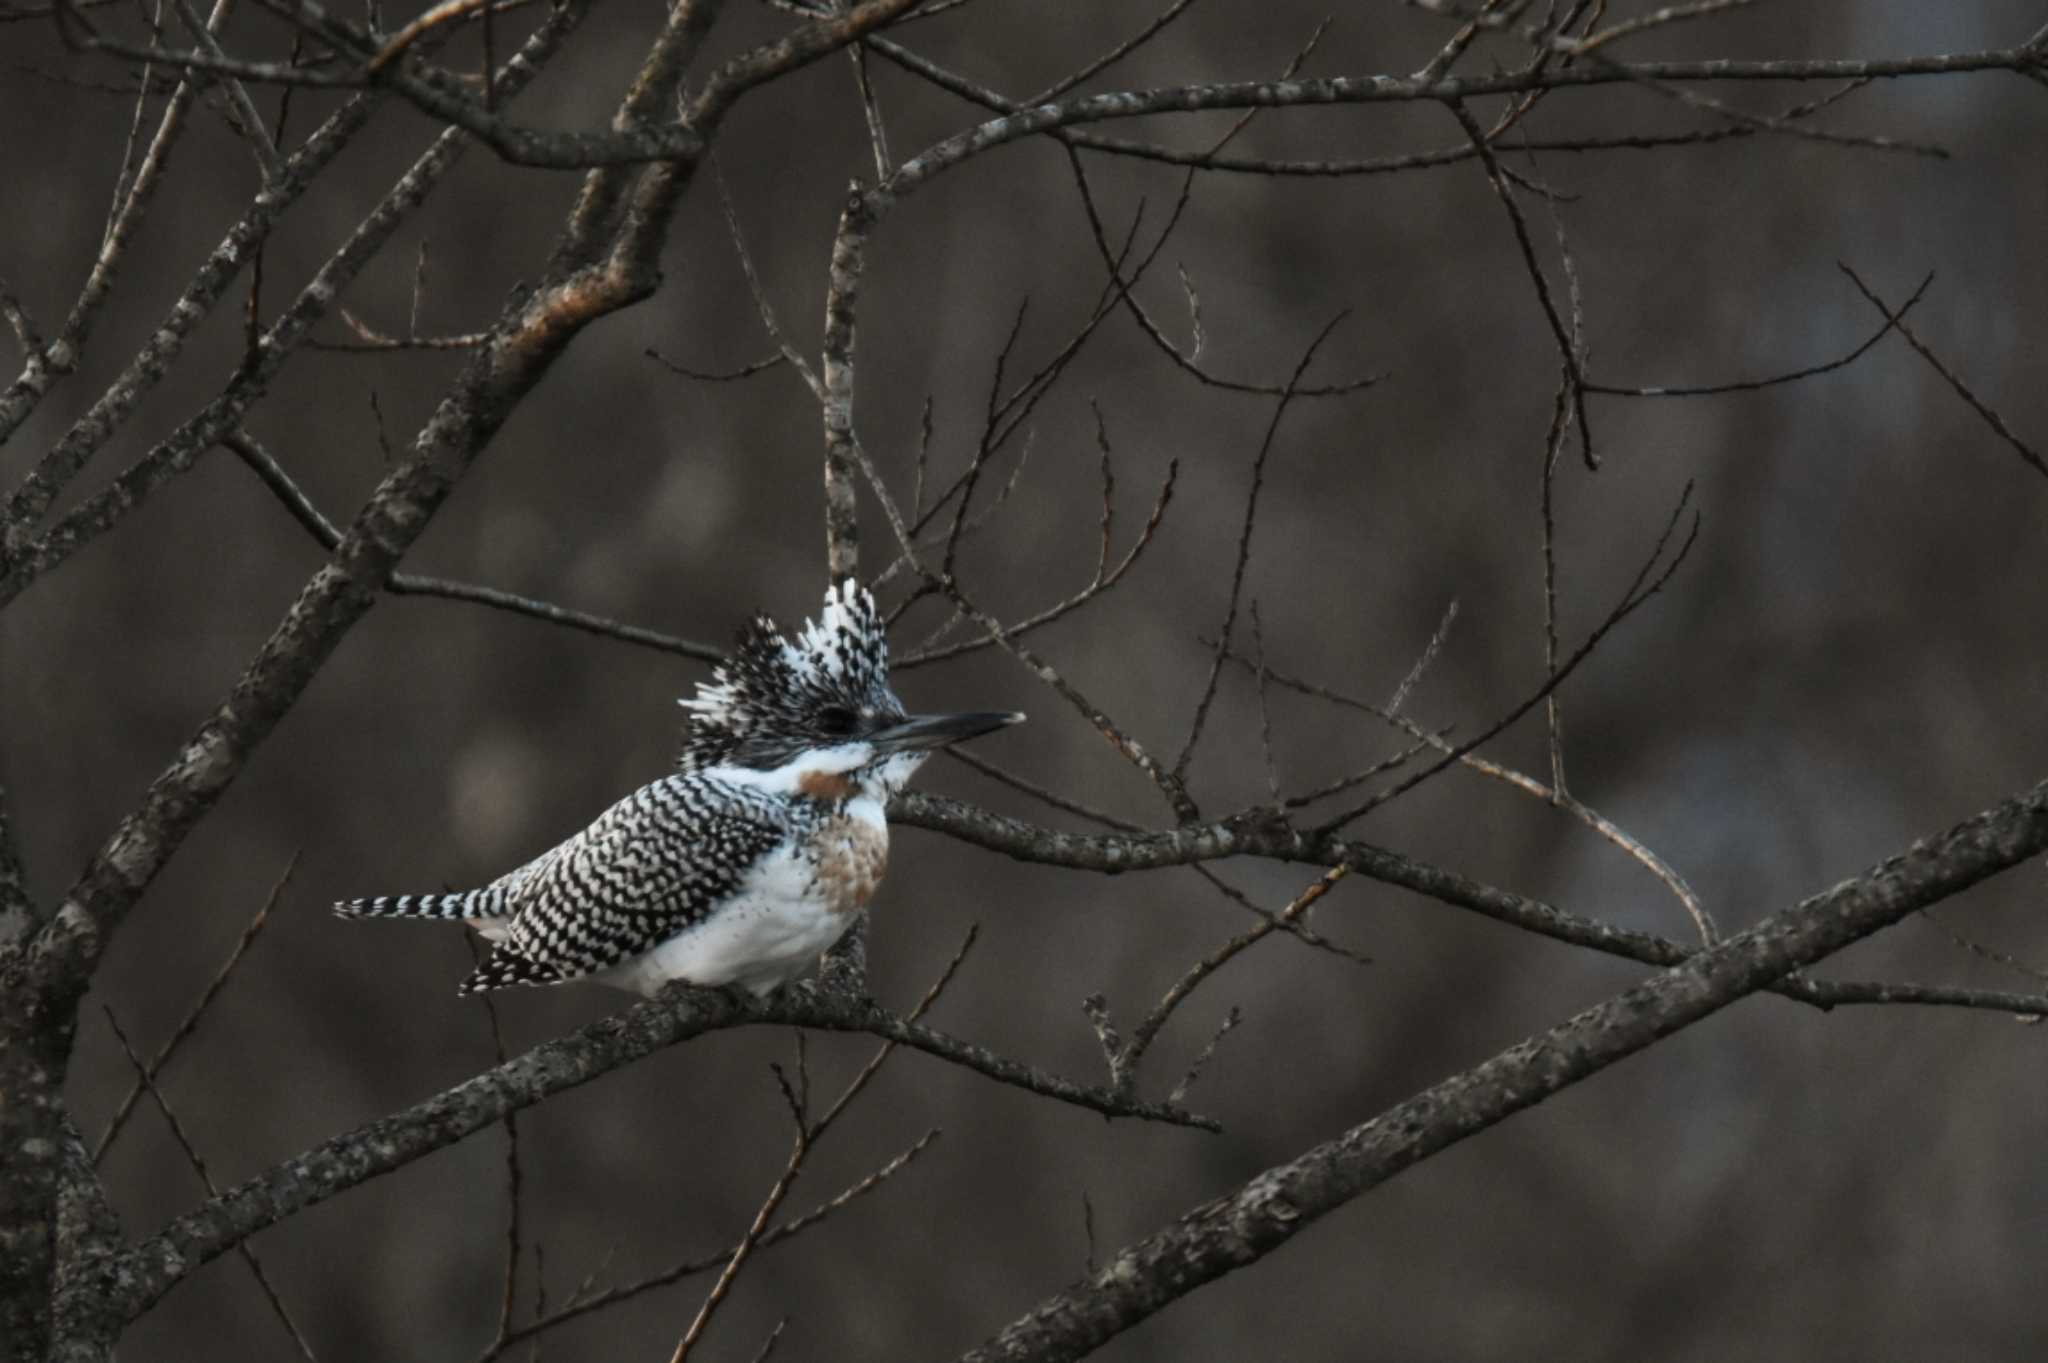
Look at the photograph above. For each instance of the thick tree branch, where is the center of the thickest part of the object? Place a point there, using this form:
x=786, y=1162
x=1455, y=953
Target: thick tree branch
x=1244, y=1226
x=576, y=150
x=141, y=1274
x=42, y=979
x=1257, y=833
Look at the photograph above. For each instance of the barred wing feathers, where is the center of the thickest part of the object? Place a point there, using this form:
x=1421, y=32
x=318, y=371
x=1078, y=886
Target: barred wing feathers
x=652, y=866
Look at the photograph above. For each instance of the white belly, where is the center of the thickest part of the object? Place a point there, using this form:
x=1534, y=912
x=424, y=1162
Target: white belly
x=767, y=935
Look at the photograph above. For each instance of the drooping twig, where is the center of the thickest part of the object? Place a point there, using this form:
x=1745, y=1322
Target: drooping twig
x=790, y=354
x=1983, y=952
x=745, y=371
x=1789, y=376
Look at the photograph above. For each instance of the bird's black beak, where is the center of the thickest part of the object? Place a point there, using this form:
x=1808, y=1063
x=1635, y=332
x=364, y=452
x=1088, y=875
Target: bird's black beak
x=921, y=732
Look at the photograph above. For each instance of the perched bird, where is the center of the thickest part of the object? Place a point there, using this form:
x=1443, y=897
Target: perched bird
x=754, y=857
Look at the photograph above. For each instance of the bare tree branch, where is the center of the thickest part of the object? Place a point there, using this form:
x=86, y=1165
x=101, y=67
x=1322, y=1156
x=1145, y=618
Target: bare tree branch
x=1992, y=419
x=1256, y=834
x=1263, y=1214
x=139, y=1275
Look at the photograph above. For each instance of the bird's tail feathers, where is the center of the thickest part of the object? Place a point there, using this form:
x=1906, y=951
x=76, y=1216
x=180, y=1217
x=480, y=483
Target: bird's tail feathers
x=484, y=903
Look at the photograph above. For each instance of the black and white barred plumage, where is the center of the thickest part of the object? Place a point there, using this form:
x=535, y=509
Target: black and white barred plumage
x=751, y=860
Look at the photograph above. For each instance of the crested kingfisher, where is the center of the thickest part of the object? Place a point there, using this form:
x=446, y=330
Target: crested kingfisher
x=754, y=857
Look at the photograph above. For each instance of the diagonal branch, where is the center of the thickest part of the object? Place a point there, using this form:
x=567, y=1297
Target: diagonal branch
x=1567, y=342
x=1256, y=834
x=134, y=1279
x=1245, y=1225
x=281, y=484
x=1896, y=318
x=1244, y=549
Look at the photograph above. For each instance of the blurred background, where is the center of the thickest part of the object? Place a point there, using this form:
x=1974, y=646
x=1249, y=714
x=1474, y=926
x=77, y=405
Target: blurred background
x=1852, y=657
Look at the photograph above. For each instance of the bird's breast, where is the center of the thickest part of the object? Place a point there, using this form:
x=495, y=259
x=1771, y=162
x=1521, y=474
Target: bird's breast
x=850, y=854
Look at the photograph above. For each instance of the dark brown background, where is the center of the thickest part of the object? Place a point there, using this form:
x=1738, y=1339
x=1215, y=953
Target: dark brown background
x=1852, y=657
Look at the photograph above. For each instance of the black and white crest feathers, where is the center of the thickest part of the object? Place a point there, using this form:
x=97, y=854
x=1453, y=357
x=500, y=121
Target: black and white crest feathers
x=765, y=701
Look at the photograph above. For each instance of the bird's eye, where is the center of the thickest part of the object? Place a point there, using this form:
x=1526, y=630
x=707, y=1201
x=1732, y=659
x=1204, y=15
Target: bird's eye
x=836, y=721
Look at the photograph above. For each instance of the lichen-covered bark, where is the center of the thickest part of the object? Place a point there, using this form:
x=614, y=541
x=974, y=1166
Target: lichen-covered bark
x=34, y=1044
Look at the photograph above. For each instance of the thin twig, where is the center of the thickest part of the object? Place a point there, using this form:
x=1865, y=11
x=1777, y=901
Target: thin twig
x=1977, y=405
x=745, y=371
x=1790, y=376
x=1244, y=547
x=878, y=138
x=1294, y=927
x=1688, y=899
x=800, y=1148
x=145, y=1079
x=1414, y=676
x=1642, y=23
x=1640, y=590
x=190, y=1022
x=754, y=286
x=1983, y=952
x=586, y=1300
x=1567, y=349
x=1693, y=99
x=514, y=1174
x=1147, y=1031
x=266, y=467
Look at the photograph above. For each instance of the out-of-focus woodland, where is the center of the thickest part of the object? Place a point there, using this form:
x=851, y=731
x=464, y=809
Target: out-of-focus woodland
x=1490, y=509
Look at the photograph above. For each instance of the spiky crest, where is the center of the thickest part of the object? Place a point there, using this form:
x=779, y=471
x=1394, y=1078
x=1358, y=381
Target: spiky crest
x=765, y=700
